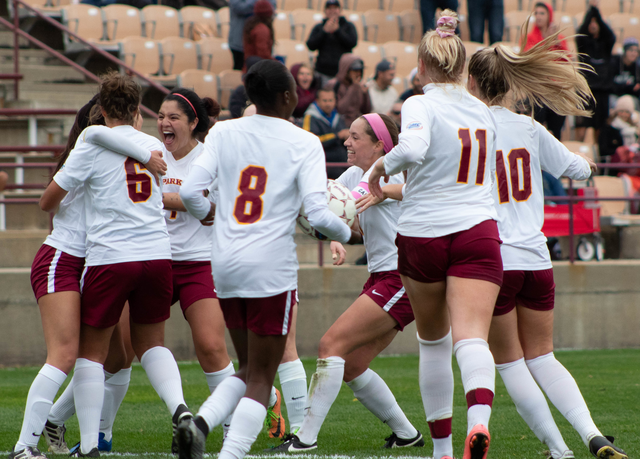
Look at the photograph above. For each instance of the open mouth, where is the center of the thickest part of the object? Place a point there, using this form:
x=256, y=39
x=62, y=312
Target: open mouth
x=169, y=137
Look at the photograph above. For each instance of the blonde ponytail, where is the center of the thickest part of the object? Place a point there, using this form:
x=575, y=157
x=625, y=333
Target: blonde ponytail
x=442, y=51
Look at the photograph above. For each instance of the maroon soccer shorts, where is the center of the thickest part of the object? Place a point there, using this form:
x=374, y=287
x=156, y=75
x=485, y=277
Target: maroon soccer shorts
x=192, y=281
x=531, y=289
x=146, y=285
x=55, y=271
x=386, y=290
x=263, y=316
x=470, y=254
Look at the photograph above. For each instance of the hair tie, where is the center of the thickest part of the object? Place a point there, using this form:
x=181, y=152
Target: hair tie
x=190, y=104
x=448, y=21
x=380, y=130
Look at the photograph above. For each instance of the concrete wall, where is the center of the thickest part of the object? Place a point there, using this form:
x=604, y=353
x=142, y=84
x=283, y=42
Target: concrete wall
x=597, y=307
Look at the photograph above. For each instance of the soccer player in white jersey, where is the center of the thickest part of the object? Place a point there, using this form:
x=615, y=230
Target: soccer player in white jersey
x=521, y=337
x=128, y=257
x=266, y=168
x=55, y=278
x=369, y=325
x=448, y=243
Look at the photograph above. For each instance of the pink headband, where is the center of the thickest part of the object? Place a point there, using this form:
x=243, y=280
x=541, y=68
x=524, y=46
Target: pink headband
x=380, y=130
x=449, y=21
x=190, y=104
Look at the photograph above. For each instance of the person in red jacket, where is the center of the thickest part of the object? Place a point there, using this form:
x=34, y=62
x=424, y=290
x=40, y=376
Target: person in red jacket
x=258, y=31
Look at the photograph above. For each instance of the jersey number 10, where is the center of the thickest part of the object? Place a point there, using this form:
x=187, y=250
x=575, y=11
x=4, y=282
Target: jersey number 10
x=519, y=160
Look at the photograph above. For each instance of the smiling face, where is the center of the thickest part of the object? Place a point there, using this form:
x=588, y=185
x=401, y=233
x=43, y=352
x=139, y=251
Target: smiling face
x=174, y=127
x=362, y=151
x=305, y=77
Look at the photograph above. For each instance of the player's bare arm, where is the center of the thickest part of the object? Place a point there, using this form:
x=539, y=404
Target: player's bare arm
x=156, y=165
x=52, y=197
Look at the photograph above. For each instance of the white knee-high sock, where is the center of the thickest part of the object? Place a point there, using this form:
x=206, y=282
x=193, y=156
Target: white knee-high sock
x=375, y=395
x=64, y=407
x=115, y=389
x=43, y=390
x=564, y=393
x=293, y=381
x=323, y=390
x=478, y=371
x=162, y=371
x=273, y=397
x=213, y=380
x=88, y=392
x=246, y=424
x=532, y=405
x=222, y=402
x=436, y=388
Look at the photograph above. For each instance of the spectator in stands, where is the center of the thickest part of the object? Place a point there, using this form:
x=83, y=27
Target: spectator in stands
x=352, y=95
x=308, y=85
x=543, y=28
x=396, y=113
x=381, y=93
x=239, y=12
x=258, y=33
x=595, y=42
x=322, y=119
x=332, y=38
x=627, y=120
x=428, y=11
x=486, y=10
x=416, y=86
x=4, y=178
x=238, y=98
x=626, y=74
x=608, y=140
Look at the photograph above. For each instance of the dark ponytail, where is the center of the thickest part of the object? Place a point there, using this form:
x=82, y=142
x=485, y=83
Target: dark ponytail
x=265, y=80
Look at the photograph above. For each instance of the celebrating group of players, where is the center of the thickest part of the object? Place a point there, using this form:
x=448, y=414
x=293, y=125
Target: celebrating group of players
x=450, y=215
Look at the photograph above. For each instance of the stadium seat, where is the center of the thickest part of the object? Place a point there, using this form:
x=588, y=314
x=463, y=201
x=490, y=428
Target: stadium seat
x=191, y=15
x=223, y=18
x=160, y=21
x=397, y=6
x=512, y=5
x=515, y=47
x=142, y=54
x=302, y=21
x=572, y=7
x=611, y=187
x=581, y=147
x=203, y=83
x=215, y=55
x=624, y=25
x=410, y=26
x=611, y=7
x=370, y=53
x=471, y=47
x=513, y=22
x=404, y=55
x=380, y=26
x=51, y=8
x=122, y=21
x=365, y=5
x=567, y=24
x=400, y=84
x=290, y=5
x=178, y=54
x=228, y=80
x=356, y=19
x=628, y=6
x=292, y=51
x=282, y=26
x=83, y=20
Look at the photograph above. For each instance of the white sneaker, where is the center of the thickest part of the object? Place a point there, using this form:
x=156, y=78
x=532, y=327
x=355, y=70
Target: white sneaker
x=54, y=436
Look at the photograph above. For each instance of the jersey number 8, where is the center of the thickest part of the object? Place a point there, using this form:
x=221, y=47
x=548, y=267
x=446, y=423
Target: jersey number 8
x=252, y=185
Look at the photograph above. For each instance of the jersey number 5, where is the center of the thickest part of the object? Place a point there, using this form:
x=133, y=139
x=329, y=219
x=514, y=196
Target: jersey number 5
x=519, y=160
x=252, y=185
x=138, y=183
x=465, y=156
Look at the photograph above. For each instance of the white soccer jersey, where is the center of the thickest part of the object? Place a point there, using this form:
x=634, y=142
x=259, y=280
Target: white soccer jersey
x=378, y=223
x=447, y=146
x=123, y=203
x=190, y=240
x=524, y=149
x=69, y=232
x=264, y=167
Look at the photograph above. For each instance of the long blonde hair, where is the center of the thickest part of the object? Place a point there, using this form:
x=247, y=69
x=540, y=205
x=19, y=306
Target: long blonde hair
x=442, y=51
x=543, y=75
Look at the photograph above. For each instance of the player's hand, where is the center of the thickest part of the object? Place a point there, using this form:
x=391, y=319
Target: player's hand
x=374, y=179
x=156, y=165
x=208, y=220
x=592, y=164
x=366, y=201
x=338, y=253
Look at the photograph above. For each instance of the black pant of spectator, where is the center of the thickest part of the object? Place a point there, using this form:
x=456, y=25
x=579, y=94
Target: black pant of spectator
x=599, y=105
x=428, y=11
x=238, y=59
x=486, y=10
x=551, y=119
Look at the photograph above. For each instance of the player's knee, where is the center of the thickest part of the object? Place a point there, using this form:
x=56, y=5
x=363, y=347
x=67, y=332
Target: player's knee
x=328, y=347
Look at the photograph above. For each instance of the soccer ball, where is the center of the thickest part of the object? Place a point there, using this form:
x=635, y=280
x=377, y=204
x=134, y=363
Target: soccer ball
x=341, y=202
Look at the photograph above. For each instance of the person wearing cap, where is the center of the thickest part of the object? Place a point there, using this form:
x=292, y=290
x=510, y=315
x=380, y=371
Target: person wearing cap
x=332, y=38
x=382, y=94
x=626, y=74
x=239, y=12
x=352, y=95
x=416, y=86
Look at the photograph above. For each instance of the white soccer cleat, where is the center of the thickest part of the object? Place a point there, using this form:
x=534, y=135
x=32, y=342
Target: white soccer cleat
x=54, y=435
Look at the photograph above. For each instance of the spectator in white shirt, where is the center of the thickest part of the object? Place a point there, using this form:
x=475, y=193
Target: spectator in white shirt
x=382, y=94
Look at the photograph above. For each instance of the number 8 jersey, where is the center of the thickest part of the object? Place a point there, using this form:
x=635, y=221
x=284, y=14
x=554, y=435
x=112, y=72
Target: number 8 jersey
x=123, y=202
x=524, y=149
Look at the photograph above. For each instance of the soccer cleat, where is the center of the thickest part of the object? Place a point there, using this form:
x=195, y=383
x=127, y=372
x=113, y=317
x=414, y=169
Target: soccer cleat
x=274, y=422
x=54, y=435
x=104, y=445
x=77, y=453
x=395, y=442
x=30, y=452
x=291, y=444
x=476, y=446
x=191, y=440
x=182, y=413
x=602, y=448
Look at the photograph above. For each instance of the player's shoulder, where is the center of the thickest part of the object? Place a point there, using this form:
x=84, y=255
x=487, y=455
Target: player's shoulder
x=351, y=177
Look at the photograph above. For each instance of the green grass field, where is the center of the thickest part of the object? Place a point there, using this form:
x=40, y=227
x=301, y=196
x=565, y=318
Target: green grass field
x=609, y=380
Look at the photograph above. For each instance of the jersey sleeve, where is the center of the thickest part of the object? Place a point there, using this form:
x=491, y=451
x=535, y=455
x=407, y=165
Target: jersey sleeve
x=312, y=177
x=413, y=140
x=555, y=158
x=112, y=140
x=78, y=167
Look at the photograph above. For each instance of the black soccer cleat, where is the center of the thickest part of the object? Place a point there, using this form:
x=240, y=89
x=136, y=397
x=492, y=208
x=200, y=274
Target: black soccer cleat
x=603, y=448
x=191, y=439
x=30, y=452
x=77, y=453
x=394, y=441
x=182, y=413
x=291, y=444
